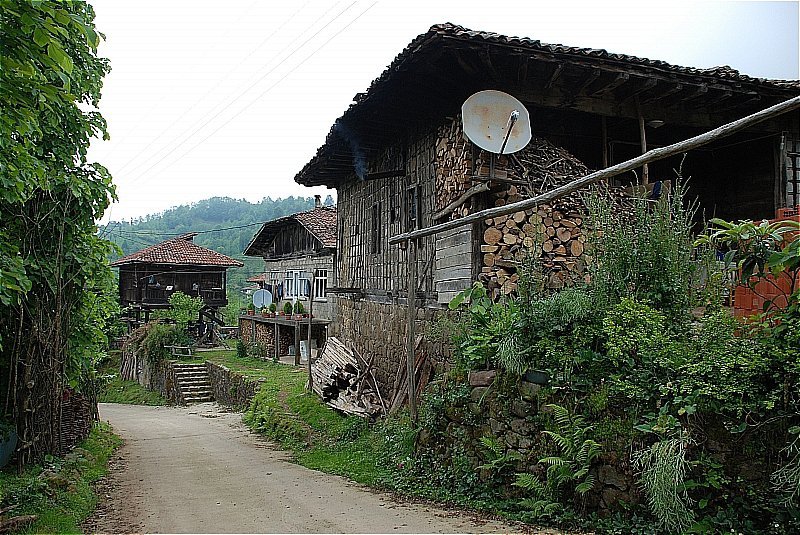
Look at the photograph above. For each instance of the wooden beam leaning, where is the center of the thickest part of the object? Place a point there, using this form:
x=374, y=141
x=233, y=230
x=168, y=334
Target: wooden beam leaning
x=571, y=187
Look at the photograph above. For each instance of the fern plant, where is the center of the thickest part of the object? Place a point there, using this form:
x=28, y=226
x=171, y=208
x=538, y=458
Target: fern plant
x=567, y=473
x=500, y=458
x=786, y=479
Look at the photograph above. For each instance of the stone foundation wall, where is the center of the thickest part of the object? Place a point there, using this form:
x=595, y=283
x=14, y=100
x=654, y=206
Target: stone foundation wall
x=231, y=389
x=514, y=413
x=380, y=329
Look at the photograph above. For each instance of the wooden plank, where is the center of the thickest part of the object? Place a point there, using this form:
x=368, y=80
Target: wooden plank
x=453, y=285
x=460, y=238
x=456, y=260
x=456, y=272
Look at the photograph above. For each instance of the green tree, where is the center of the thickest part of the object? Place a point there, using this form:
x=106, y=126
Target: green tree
x=53, y=266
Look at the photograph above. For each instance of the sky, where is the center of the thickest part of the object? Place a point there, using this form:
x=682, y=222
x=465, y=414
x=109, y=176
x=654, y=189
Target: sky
x=209, y=98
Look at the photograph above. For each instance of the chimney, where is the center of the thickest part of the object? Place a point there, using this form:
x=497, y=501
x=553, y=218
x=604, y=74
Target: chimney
x=317, y=201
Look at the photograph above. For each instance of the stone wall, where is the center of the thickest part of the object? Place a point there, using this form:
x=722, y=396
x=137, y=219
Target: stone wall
x=380, y=329
x=159, y=377
x=230, y=388
x=515, y=413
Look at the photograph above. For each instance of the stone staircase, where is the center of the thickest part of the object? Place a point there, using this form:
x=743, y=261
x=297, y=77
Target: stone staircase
x=193, y=383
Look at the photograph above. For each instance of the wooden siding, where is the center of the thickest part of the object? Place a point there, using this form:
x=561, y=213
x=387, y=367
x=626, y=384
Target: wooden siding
x=453, y=270
x=371, y=210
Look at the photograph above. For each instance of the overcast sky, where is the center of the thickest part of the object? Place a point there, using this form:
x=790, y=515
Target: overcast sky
x=209, y=98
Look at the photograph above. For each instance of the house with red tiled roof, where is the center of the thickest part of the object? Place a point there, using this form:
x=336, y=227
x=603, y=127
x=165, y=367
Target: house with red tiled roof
x=299, y=253
x=148, y=278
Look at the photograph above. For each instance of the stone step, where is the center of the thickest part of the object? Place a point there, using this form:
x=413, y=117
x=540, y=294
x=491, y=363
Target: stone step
x=198, y=399
x=189, y=376
x=197, y=388
x=196, y=382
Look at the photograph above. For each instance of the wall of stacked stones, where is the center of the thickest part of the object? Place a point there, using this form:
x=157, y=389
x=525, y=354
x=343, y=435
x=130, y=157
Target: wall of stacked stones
x=380, y=329
x=231, y=389
x=515, y=413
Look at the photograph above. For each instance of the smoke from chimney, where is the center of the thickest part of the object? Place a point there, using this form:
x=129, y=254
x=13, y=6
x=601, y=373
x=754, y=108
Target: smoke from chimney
x=359, y=159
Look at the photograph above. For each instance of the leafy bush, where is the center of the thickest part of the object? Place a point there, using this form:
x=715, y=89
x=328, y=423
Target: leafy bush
x=646, y=255
x=158, y=336
x=184, y=308
x=241, y=349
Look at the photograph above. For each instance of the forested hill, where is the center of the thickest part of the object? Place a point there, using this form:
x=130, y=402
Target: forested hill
x=223, y=224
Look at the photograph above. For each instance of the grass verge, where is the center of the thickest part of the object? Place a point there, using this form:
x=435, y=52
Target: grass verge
x=117, y=390
x=59, y=491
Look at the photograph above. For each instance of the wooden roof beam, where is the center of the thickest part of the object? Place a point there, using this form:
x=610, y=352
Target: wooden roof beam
x=620, y=79
x=645, y=86
x=554, y=75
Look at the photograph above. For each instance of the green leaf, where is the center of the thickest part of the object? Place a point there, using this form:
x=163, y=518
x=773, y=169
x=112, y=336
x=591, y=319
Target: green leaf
x=59, y=56
x=40, y=37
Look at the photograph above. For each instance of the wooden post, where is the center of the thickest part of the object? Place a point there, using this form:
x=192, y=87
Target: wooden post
x=277, y=340
x=310, y=320
x=643, y=139
x=412, y=317
x=297, y=326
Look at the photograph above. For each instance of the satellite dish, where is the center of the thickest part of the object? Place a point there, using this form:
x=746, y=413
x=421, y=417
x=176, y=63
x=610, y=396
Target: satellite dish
x=496, y=121
x=262, y=298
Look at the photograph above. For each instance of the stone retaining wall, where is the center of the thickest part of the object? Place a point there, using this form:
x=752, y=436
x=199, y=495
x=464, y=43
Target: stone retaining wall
x=380, y=329
x=230, y=388
x=513, y=413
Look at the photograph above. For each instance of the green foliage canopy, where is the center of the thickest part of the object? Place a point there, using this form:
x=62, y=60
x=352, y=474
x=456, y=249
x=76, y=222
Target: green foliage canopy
x=53, y=266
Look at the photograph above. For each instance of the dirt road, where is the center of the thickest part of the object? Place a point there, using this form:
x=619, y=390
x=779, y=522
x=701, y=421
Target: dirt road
x=198, y=469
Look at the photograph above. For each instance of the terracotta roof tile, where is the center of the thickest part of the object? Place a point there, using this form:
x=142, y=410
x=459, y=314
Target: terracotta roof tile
x=178, y=251
x=320, y=222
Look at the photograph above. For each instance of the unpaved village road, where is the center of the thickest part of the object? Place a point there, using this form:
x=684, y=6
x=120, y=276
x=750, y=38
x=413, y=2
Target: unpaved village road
x=199, y=470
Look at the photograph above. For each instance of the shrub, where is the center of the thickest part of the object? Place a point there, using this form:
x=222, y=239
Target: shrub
x=241, y=349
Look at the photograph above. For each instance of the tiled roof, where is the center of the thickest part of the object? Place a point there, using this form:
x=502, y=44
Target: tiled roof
x=178, y=251
x=261, y=277
x=320, y=222
x=430, y=79
x=454, y=31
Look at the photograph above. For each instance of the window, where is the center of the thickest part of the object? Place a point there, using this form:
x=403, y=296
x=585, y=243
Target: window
x=375, y=234
x=793, y=173
x=320, y=284
x=296, y=285
x=412, y=208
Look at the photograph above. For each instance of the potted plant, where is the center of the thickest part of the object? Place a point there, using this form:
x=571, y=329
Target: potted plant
x=251, y=309
x=287, y=308
x=8, y=442
x=272, y=309
x=264, y=312
x=299, y=310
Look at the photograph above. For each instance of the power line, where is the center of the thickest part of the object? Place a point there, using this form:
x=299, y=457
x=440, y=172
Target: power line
x=250, y=87
x=141, y=120
x=219, y=82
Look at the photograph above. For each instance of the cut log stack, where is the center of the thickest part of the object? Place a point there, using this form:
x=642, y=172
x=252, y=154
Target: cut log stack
x=453, y=167
x=345, y=381
x=555, y=233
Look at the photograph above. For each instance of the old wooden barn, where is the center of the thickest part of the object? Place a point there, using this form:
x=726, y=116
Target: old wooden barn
x=399, y=161
x=148, y=278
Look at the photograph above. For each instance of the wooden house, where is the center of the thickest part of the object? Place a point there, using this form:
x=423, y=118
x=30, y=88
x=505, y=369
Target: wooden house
x=299, y=253
x=148, y=278
x=399, y=161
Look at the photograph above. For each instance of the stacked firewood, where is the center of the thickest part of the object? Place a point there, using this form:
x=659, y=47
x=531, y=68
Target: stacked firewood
x=345, y=381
